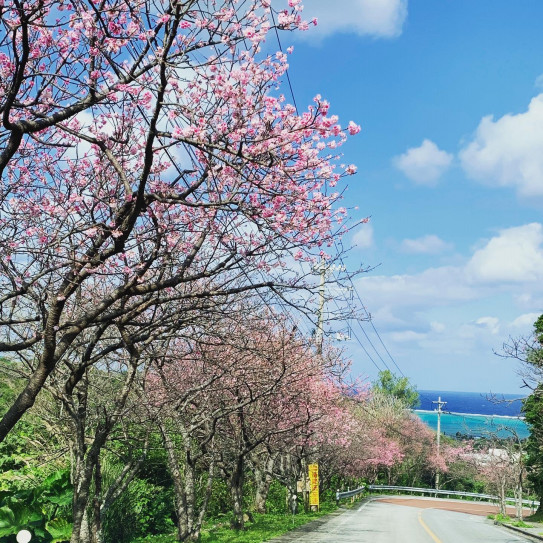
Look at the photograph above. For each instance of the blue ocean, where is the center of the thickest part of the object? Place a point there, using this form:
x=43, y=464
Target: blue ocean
x=476, y=414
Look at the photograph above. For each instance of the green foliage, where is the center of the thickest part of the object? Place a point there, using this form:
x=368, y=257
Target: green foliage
x=144, y=509
x=44, y=510
x=533, y=411
x=465, y=484
x=60, y=529
x=500, y=518
x=219, y=502
x=263, y=528
x=521, y=524
x=277, y=498
x=536, y=517
x=399, y=387
x=508, y=520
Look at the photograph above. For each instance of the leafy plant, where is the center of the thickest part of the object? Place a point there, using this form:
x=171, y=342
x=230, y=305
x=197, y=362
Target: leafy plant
x=43, y=510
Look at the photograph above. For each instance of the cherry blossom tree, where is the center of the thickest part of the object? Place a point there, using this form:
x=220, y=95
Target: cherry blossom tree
x=387, y=439
x=502, y=467
x=147, y=161
x=308, y=416
x=245, y=385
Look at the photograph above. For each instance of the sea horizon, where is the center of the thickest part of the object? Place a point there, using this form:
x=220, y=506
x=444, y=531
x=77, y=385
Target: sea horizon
x=475, y=403
x=476, y=414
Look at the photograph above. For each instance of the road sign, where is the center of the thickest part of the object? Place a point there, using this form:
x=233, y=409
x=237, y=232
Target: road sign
x=314, y=485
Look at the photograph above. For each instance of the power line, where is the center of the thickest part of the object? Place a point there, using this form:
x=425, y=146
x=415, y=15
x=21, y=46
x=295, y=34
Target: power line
x=365, y=350
x=371, y=343
x=281, y=49
x=371, y=322
x=376, y=332
x=341, y=258
x=365, y=334
x=362, y=346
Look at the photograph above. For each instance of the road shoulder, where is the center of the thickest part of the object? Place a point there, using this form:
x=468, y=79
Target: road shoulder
x=533, y=533
x=314, y=525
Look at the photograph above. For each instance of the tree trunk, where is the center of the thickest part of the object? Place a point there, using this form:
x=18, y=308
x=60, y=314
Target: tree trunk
x=503, y=509
x=178, y=486
x=263, y=483
x=292, y=498
x=80, y=532
x=518, y=499
x=96, y=505
x=236, y=492
x=263, y=480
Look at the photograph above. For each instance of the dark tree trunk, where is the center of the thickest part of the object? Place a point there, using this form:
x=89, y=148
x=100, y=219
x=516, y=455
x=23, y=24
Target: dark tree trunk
x=236, y=492
x=96, y=505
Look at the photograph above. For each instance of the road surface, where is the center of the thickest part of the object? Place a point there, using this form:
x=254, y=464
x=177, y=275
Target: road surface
x=385, y=522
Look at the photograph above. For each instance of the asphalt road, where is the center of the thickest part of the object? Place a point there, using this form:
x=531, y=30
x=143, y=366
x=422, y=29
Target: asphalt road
x=384, y=522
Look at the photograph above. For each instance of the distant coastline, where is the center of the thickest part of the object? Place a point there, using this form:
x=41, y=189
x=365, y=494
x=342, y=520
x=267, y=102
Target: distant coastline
x=486, y=416
x=473, y=413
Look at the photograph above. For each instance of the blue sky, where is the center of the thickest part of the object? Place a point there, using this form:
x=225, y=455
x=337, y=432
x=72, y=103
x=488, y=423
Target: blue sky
x=450, y=168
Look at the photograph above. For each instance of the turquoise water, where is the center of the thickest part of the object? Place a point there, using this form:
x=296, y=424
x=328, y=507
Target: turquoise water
x=475, y=425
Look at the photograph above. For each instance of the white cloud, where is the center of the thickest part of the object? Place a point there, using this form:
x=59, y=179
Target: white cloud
x=515, y=255
x=429, y=244
x=459, y=316
x=425, y=164
x=525, y=321
x=378, y=18
x=406, y=336
x=509, y=151
x=492, y=324
x=363, y=237
x=432, y=287
x=538, y=84
x=508, y=266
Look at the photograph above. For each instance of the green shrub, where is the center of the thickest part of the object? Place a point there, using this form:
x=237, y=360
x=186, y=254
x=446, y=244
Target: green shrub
x=143, y=509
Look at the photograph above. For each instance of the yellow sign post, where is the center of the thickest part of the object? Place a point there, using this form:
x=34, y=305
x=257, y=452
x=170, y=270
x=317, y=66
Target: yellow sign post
x=314, y=486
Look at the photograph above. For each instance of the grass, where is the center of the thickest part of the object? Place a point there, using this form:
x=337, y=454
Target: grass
x=263, y=528
x=521, y=524
x=499, y=517
x=505, y=519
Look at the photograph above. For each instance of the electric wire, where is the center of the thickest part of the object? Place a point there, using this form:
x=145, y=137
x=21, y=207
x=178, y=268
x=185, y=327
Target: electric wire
x=343, y=264
x=286, y=72
x=362, y=346
x=371, y=322
x=369, y=318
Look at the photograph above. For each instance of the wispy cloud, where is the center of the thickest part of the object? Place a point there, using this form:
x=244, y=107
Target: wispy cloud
x=377, y=18
x=363, y=237
x=429, y=244
x=509, y=265
x=425, y=164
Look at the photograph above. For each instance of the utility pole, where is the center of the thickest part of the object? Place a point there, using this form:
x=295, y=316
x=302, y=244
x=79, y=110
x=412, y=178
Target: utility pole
x=319, y=335
x=439, y=405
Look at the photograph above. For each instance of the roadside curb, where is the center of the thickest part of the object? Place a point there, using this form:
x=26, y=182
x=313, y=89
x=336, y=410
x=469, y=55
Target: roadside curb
x=520, y=531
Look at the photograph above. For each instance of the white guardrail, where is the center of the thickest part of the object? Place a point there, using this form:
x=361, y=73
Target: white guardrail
x=350, y=493
x=432, y=491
